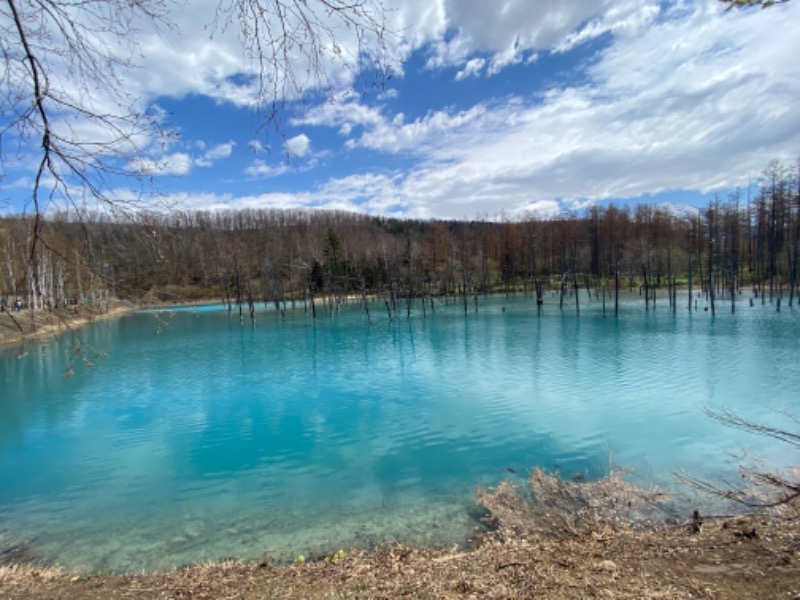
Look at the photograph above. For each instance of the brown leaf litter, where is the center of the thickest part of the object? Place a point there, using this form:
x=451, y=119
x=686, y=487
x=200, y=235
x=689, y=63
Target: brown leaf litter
x=564, y=540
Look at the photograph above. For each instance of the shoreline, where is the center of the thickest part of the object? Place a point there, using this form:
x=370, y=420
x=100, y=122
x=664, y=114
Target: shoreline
x=56, y=322
x=751, y=556
x=41, y=325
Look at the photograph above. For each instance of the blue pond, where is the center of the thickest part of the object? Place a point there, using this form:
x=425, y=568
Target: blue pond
x=192, y=437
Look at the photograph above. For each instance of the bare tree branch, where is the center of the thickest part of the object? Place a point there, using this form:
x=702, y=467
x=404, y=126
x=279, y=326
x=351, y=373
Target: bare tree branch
x=298, y=46
x=769, y=489
x=63, y=95
x=747, y=3
x=731, y=419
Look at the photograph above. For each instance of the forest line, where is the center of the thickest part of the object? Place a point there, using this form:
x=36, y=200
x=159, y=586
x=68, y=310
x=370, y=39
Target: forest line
x=274, y=255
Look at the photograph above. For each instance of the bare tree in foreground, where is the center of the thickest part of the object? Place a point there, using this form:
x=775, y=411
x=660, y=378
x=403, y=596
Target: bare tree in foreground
x=767, y=489
x=63, y=96
x=66, y=109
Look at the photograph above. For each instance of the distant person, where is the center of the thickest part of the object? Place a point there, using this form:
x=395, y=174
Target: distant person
x=18, y=304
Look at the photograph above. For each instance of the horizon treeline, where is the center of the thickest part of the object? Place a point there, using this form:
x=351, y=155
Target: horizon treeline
x=273, y=255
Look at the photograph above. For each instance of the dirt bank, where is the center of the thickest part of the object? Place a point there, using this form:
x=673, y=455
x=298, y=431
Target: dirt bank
x=16, y=326
x=743, y=557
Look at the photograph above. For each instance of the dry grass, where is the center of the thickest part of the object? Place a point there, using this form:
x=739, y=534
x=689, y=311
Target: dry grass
x=556, y=506
x=577, y=540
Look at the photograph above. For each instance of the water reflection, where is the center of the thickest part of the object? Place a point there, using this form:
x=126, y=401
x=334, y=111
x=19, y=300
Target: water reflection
x=199, y=438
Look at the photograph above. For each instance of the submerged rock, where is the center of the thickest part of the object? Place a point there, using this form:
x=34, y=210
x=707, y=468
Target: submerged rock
x=16, y=553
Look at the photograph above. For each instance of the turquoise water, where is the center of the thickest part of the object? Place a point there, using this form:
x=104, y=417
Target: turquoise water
x=195, y=438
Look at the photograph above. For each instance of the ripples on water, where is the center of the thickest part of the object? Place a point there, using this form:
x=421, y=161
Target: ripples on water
x=198, y=438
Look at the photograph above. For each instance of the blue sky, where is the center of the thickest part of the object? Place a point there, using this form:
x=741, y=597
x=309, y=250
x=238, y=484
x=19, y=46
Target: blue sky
x=494, y=108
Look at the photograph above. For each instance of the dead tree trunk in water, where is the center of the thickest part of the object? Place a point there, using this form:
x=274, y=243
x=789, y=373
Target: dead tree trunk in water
x=604, y=300
x=226, y=298
x=364, y=300
x=313, y=305
x=575, y=288
x=251, y=306
x=539, y=294
x=674, y=295
x=690, y=279
x=464, y=289
x=616, y=281
x=793, y=273
x=654, y=285
x=710, y=276
x=239, y=296
x=537, y=283
x=669, y=275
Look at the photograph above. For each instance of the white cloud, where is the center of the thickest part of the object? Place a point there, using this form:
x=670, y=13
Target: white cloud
x=259, y=169
x=21, y=183
x=370, y=193
x=542, y=209
x=213, y=201
x=178, y=163
x=516, y=30
x=220, y=151
x=689, y=103
x=387, y=94
x=501, y=60
x=257, y=146
x=200, y=56
x=346, y=115
x=432, y=130
x=623, y=18
x=214, y=154
x=680, y=96
x=471, y=69
x=299, y=145
x=210, y=55
x=450, y=53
